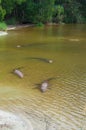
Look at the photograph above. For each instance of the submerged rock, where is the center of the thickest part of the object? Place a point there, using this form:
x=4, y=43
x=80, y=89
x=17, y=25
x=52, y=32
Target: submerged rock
x=18, y=46
x=19, y=73
x=44, y=86
x=50, y=61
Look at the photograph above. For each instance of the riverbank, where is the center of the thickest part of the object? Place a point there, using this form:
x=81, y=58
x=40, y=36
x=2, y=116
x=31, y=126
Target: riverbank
x=13, y=27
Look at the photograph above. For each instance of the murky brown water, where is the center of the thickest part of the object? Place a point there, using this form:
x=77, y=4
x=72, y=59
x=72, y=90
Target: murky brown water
x=63, y=107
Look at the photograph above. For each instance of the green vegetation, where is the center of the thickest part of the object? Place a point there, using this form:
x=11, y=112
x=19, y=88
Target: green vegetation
x=40, y=24
x=2, y=13
x=3, y=26
x=40, y=12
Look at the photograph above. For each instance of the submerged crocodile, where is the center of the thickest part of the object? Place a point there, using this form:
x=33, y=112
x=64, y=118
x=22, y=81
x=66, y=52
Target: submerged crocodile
x=41, y=59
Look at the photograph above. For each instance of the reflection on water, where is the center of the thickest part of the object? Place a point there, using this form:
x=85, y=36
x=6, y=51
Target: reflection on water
x=63, y=107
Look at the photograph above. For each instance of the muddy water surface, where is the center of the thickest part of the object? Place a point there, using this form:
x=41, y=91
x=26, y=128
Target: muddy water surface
x=63, y=107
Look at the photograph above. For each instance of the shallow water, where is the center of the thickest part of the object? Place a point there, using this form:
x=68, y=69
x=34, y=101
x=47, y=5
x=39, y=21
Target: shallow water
x=63, y=107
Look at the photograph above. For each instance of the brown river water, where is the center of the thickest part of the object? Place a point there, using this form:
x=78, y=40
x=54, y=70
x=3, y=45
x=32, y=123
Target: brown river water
x=63, y=106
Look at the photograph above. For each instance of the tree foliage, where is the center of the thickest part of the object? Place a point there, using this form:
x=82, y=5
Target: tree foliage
x=43, y=11
x=58, y=13
x=2, y=13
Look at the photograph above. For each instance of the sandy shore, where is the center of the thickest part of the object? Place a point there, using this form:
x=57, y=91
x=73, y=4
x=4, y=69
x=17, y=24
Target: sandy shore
x=2, y=33
x=9, y=121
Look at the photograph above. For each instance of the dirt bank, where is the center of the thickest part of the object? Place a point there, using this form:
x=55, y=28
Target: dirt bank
x=12, y=27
